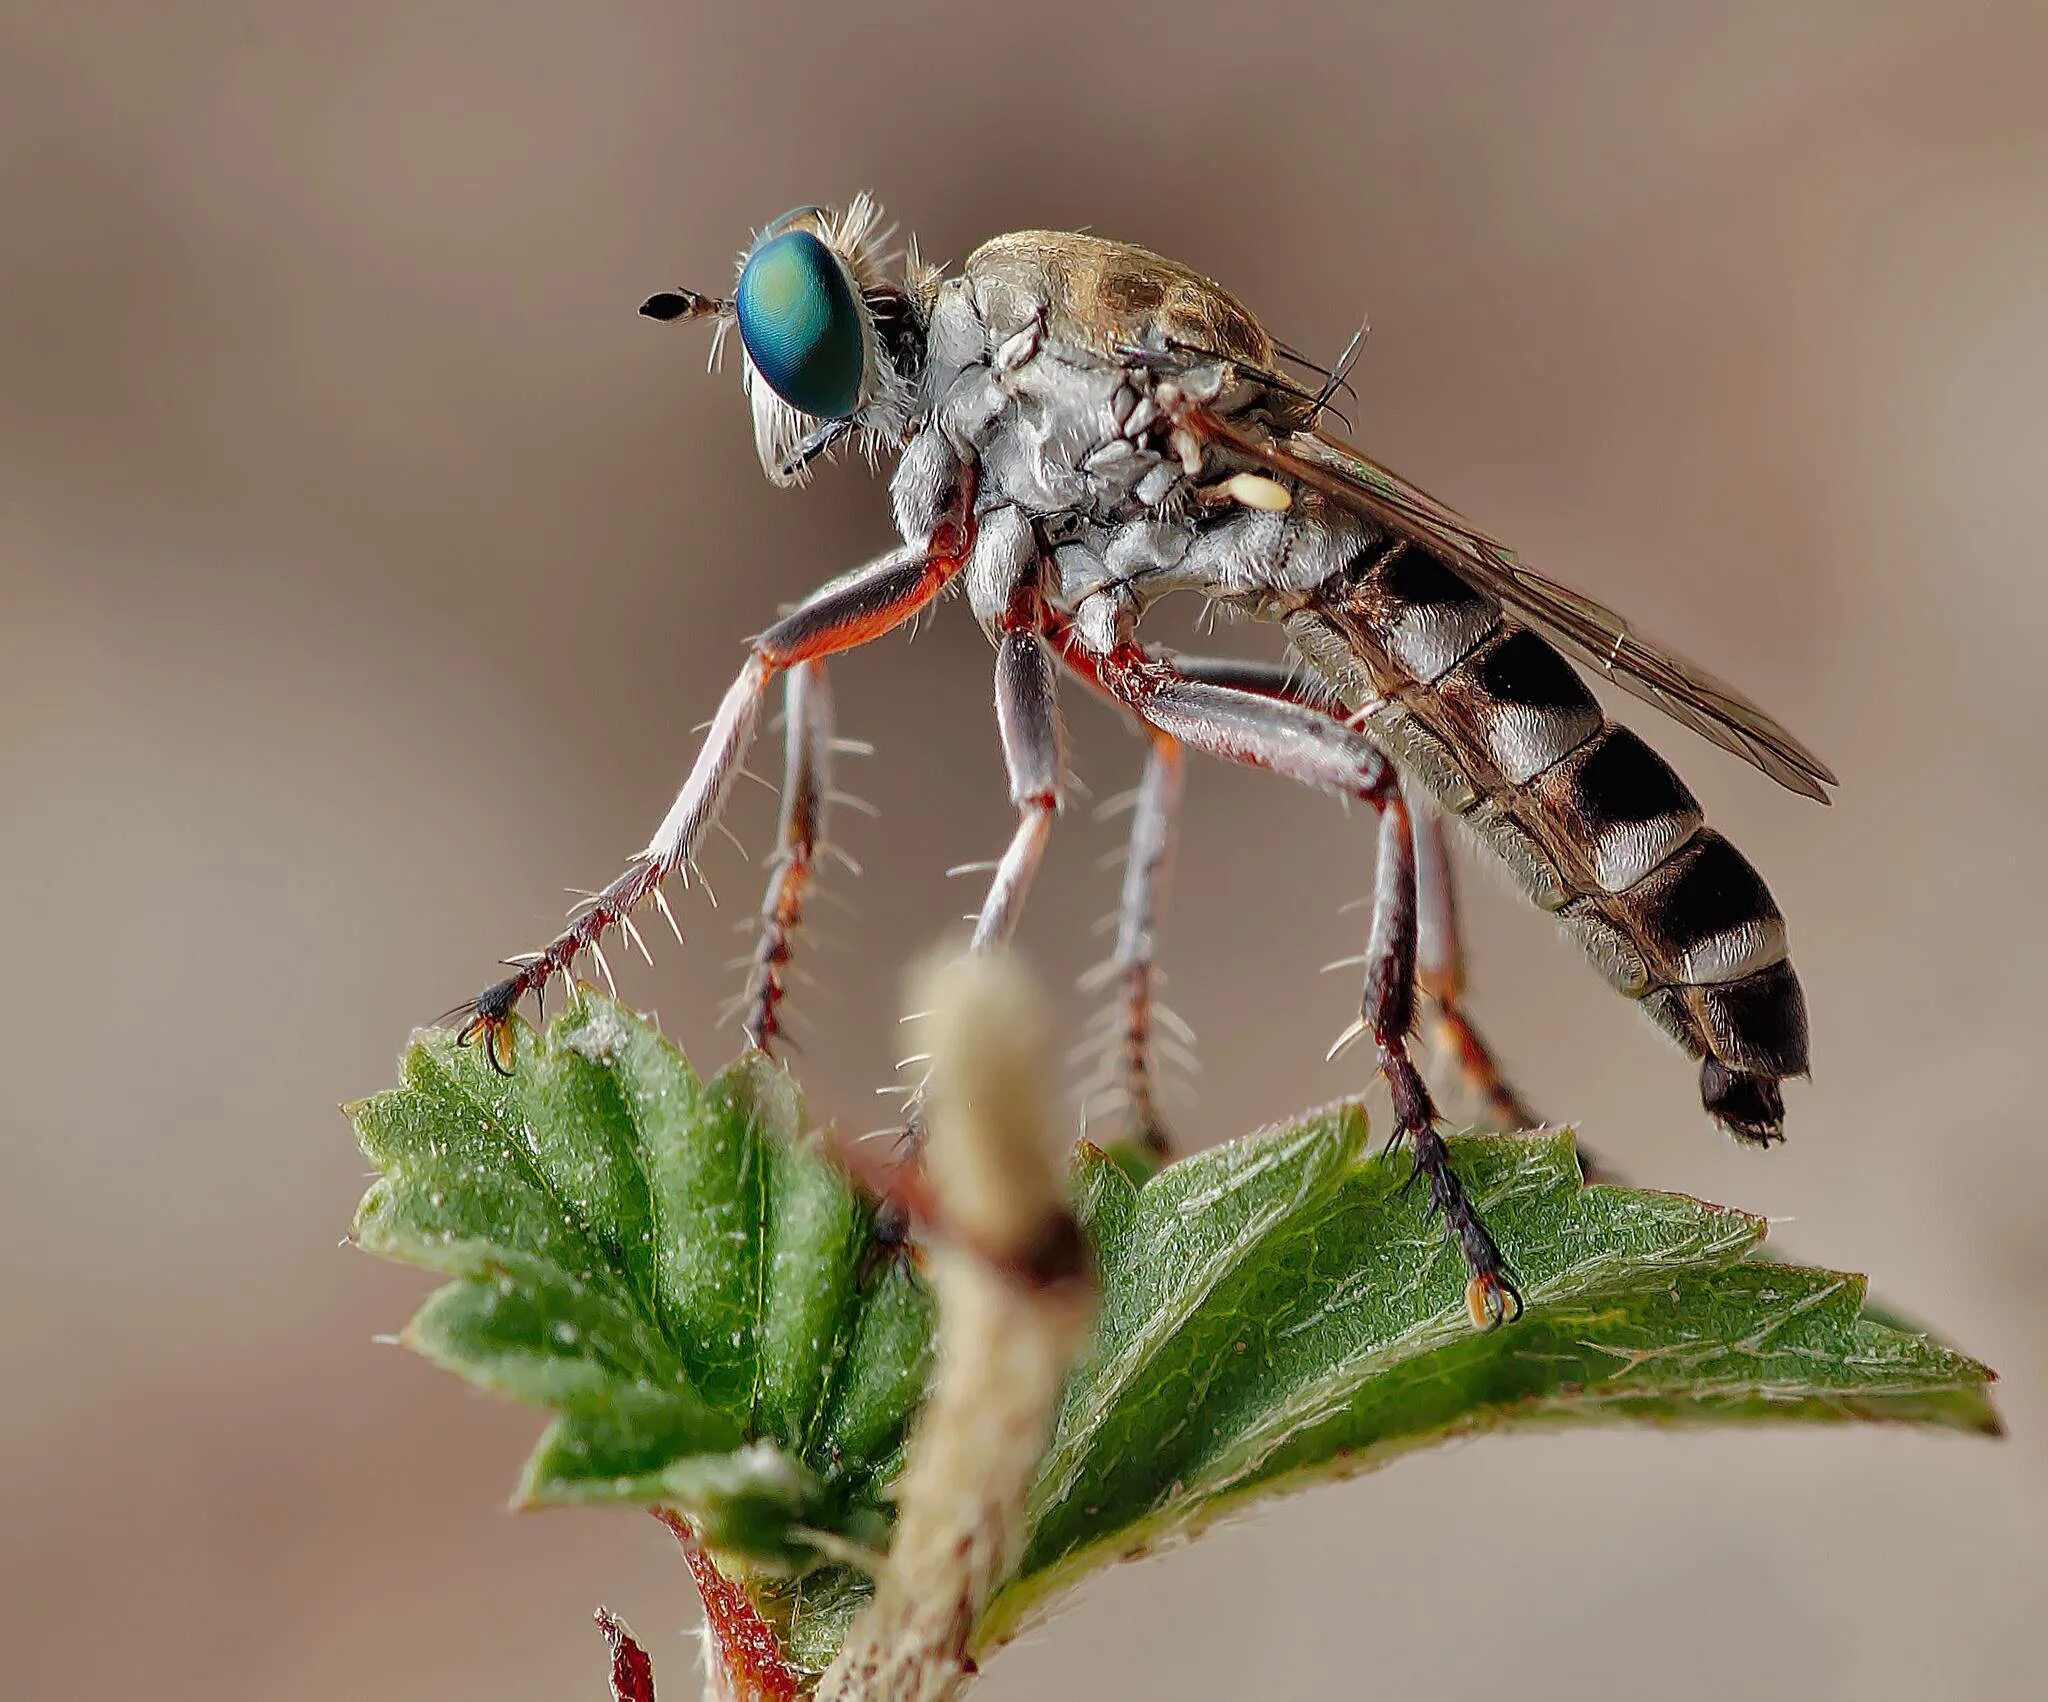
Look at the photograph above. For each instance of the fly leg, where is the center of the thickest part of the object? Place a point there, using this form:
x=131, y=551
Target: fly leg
x=1440, y=972
x=1131, y=967
x=1440, y=956
x=847, y=612
x=1034, y=755
x=1315, y=749
x=1387, y=1013
x=1028, y=719
x=799, y=840
x=1440, y=953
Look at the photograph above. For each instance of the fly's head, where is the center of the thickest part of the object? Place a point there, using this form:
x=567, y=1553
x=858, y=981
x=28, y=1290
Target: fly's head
x=830, y=347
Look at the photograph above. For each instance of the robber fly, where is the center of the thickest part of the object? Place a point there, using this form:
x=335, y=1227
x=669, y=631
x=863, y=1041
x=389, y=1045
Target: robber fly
x=1079, y=428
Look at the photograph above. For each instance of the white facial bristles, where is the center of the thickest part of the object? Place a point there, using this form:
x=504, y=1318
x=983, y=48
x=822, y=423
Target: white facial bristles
x=856, y=234
x=1015, y=1298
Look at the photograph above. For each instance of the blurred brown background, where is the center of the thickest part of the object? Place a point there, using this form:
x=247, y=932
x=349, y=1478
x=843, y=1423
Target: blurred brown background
x=365, y=562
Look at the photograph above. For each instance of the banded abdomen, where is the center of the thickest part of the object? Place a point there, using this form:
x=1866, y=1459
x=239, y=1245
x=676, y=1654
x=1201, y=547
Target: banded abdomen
x=1593, y=824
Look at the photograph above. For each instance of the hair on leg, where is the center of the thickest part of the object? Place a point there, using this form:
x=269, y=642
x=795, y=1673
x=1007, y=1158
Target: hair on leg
x=1316, y=749
x=799, y=839
x=847, y=612
x=1129, y=1071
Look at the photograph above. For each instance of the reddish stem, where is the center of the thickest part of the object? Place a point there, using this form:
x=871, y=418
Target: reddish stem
x=742, y=1643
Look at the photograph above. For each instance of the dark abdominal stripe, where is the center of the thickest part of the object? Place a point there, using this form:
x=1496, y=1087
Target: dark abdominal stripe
x=1596, y=826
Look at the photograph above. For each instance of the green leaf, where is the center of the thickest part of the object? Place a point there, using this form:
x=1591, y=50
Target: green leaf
x=670, y=1266
x=676, y=1271
x=1277, y=1311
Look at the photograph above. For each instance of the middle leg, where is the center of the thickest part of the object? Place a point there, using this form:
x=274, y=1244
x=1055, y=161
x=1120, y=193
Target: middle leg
x=1128, y=1079
x=1034, y=756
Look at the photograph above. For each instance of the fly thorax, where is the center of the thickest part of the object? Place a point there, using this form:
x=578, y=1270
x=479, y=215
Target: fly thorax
x=1135, y=558
x=1086, y=444
x=1054, y=428
x=1079, y=438
x=1267, y=560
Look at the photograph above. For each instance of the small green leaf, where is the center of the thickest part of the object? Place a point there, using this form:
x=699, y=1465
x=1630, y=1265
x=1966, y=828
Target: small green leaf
x=669, y=1266
x=675, y=1270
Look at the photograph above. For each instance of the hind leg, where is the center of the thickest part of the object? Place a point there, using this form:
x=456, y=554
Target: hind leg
x=1129, y=1078
x=1315, y=749
x=1440, y=956
x=1387, y=1014
x=1440, y=972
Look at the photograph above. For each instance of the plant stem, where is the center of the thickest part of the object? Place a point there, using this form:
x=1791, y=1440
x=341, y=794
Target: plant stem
x=743, y=1660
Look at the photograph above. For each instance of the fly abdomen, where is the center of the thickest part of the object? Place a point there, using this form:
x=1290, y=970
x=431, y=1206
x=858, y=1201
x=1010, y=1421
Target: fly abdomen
x=1591, y=822
x=1523, y=703
x=1624, y=805
x=1706, y=913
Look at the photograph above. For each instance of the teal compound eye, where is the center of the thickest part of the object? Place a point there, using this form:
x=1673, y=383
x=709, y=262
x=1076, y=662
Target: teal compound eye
x=801, y=325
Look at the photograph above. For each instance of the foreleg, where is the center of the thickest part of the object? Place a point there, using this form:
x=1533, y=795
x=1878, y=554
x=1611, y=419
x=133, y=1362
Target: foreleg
x=846, y=613
x=799, y=839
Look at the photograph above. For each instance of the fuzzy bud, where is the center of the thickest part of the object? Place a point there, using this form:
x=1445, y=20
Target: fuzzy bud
x=1015, y=1296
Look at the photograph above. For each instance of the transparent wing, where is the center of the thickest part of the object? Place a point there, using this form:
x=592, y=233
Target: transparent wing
x=1591, y=631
